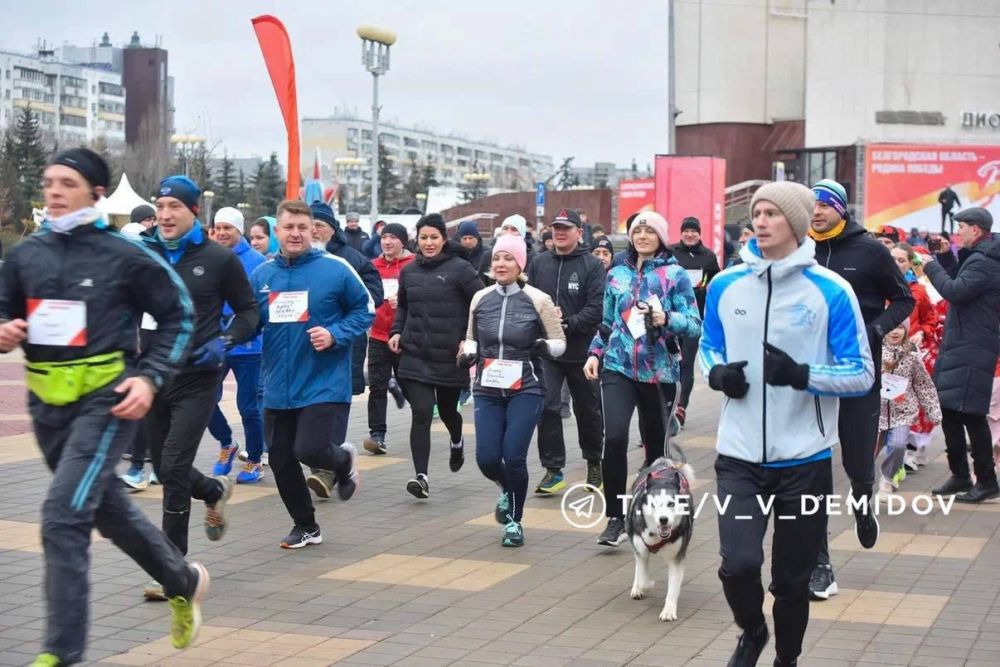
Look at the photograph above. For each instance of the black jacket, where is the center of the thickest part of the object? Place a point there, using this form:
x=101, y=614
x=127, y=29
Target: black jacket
x=963, y=373
x=867, y=265
x=339, y=247
x=432, y=313
x=575, y=283
x=697, y=258
x=214, y=276
x=356, y=239
x=118, y=280
x=474, y=256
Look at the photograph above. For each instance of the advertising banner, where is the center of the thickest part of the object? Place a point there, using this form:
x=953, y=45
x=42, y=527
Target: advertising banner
x=903, y=182
x=695, y=187
x=634, y=196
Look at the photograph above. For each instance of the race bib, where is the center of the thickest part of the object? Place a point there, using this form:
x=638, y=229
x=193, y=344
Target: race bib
x=502, y=374
x=695, y=275
x=287, y=307
x=57, y=322
x=390, y=288
x=148, y=323
x=893, y=386
x=637, y=319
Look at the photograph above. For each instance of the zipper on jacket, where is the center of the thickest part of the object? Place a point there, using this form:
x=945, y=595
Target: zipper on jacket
x=503, y=317
x=558, y=280
x=767, y=317
x=819, y=417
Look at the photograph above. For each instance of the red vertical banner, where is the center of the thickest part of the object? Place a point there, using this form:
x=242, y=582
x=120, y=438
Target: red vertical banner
x=276, y=48
x=693, y=187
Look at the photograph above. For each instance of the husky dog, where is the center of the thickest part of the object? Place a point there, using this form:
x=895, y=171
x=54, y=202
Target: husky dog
x=659, y=520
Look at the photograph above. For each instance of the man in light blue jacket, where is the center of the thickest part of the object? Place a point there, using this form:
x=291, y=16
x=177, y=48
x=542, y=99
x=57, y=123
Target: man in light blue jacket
x=312, y=307
x=784, y=339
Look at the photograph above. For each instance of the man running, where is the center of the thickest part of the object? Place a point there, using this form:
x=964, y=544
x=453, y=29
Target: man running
x=71, y=296
x=885, y=300
x=313, y=305
x=244, y=361
x=214, y=276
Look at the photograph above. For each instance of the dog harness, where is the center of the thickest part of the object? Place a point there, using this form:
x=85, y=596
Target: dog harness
x=682, y=485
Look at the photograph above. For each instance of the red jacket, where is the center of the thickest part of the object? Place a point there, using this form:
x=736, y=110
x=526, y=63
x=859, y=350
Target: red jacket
x=924, y=316
x=389, y=271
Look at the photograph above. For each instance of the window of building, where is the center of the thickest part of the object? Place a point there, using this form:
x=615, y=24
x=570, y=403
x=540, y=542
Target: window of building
x=462, y=163
x=352, y=133
x=410, y=143
x=111, y=89
x=411, y=155
x=366, y=135
x=74, y=121
x=428, y=145
x=820, y=165
x=447, y=150
x=464, y=152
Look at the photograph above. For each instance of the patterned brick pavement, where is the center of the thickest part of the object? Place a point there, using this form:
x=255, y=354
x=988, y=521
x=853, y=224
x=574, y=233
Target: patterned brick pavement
x=400, y=581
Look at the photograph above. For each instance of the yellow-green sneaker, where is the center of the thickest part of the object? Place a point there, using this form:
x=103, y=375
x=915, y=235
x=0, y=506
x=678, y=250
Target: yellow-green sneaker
x=47, y=660
x=186, y=612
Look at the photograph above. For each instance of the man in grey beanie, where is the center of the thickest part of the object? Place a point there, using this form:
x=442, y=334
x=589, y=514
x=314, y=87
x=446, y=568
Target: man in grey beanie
x=783, y=339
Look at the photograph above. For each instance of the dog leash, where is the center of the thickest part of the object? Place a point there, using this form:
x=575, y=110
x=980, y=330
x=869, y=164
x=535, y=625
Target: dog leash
x=666, y=414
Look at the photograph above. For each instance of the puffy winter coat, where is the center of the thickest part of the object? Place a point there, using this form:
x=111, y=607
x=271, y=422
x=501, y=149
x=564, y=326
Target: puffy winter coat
x=635, y=358
x=964, y=370
x=904, y=361
x=812, y=314
x=432, y=314
x=701, y=264
x=504, y=323
x=294, y=373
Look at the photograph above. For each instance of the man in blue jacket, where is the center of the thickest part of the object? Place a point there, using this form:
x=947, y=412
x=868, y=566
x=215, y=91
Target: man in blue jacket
x=244, y=361
x=313, y=306
x=779, y=423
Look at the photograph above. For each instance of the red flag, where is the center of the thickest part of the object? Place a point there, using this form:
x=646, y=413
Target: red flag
x=277, y=51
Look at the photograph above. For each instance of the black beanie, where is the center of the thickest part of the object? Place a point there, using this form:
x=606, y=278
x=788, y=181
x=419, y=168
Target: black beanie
x=433, y=220
x=141, y=212
x=397, y=230
x=691, y=223
x=602, y=242
x=89, y=164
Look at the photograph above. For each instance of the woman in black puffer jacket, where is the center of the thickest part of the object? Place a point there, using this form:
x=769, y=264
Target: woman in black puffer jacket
x=431, y=315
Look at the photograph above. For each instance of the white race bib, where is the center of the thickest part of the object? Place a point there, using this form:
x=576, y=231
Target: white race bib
x=637, y=319
x=57, y=322
x=502, y=374
x=695, y=275
x=390, y=287
x=287, y=307
x=148, y=323
x=893, y=386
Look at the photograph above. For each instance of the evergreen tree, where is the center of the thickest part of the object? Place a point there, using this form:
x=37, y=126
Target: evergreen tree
x=29, y=160
x=430, y=173
x=8, y=178
x=414, y=184
x=100, y=146
x=567, y=179
x=389, y=183
x=241, y=187
x=269, y=187
x=226, y=194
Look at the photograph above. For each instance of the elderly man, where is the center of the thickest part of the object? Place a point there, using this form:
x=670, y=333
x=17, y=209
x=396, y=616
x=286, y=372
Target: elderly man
x=353, y=234
x=964, y=370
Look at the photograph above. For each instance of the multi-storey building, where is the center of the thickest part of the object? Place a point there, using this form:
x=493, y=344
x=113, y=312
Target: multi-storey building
x=345, y=135
x=74, y=104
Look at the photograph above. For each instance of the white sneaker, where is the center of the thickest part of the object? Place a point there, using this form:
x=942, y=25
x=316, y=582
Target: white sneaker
x=885, y=490
x=921, y=456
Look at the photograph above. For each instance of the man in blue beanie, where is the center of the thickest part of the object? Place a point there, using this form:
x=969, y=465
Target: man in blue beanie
x=214, y=276
x=469, y=238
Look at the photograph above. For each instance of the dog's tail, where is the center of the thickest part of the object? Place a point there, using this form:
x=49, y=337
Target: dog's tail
x=688, y=473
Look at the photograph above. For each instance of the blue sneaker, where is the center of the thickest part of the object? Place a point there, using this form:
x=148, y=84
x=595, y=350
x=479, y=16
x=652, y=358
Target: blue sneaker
x=251, y=473
x=224, y=465
x=513, y=535
x=135, y=479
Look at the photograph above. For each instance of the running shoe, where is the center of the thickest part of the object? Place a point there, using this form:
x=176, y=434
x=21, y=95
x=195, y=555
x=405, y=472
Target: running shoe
x=375, y=444
x=251, y=473
x=614, y=534
x=47, y=660
x=553, y=482
x=321, y=482
x=153, y=479
x=595, y=482
x=300, y=537
x=348, y=484
x=397, y=393
x=456, y=458
x=224, y=465
x=822, y=583
x=513, y=534
x=153, y=592
x=215, y=514
x=135, y=479
x=418, y=487
x=186, y=611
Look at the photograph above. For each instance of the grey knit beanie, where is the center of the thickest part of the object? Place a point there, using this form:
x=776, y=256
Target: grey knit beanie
x=795, y=200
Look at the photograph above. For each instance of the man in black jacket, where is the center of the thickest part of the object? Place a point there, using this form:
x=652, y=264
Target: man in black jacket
x=574, y=279
x=963, y=373
x=71, y=296
x=213, y=275
x=948, y=200
x=353, y=234
x=844, y=247
x=701, y=265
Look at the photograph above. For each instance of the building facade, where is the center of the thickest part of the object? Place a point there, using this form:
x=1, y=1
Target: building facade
x=74, y=104
x=346, y=135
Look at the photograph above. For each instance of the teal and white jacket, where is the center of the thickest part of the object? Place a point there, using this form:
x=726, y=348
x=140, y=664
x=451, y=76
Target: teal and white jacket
x=812, y=314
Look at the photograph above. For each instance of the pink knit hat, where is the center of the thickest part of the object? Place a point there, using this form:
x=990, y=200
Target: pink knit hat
x=653, y=220
x=515, y=246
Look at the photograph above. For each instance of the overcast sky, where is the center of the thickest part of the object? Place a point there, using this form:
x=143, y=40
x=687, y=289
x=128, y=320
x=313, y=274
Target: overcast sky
x=585, y=78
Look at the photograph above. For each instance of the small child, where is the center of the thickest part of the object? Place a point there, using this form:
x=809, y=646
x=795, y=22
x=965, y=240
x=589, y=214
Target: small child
x=902, y=369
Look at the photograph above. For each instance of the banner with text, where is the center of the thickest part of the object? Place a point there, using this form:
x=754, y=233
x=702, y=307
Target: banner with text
x=903, y=182
x=634, y=196
x=696, y=187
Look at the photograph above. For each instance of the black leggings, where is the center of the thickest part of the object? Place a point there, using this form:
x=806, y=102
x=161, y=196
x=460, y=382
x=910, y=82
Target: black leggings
x=422, y=398
x=621, y=396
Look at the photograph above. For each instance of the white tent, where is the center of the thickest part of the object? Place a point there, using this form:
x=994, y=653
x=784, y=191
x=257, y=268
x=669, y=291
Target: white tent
x=123, y=200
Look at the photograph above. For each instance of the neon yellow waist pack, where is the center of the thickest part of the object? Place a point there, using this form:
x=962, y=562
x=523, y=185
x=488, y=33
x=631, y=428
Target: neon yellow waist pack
x=65, y=382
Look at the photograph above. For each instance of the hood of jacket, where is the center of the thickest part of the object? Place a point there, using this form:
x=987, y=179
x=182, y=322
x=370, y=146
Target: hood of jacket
x=803, y=256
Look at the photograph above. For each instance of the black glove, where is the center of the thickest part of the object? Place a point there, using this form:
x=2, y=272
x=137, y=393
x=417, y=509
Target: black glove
x=780, y=370
x=604, y=331
x=729, y=379
x=539, y=348
x=467, y=360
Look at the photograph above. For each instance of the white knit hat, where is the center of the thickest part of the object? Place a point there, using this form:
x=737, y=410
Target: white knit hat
x=516, y=221
x=230, y=216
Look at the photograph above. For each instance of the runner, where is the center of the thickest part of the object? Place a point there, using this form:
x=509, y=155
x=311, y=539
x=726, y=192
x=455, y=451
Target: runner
x=244, y=361
x=511, y=327
x=312, y=306
x=180, y=413
x=71, y=296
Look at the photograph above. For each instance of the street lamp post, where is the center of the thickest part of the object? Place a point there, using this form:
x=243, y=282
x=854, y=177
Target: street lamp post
x=209, y=197
x=422, y=201
x=348, y=167
x=186, y=145
x=375, y=43
x=477, y=180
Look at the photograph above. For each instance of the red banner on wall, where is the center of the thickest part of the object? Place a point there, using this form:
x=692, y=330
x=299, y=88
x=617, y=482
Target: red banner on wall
x=903, y=182
x=693, y=187
x=634, y=196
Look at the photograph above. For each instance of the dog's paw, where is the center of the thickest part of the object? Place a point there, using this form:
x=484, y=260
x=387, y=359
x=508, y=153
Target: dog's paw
x=637, y=593
x=668, y=614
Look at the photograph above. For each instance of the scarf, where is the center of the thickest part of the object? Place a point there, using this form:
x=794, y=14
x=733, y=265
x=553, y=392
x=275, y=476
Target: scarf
x=910, y=276
x=70, y=221
x=830, y=234
x=175, y=248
